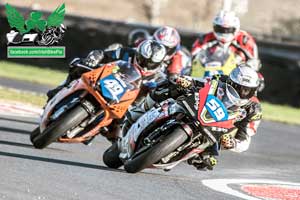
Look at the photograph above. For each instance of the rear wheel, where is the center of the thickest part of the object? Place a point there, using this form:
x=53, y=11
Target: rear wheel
x=169, y=144
x=111, y=157
x=58, y=128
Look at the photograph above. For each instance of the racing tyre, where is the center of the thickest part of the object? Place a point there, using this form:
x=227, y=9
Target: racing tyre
x=111, y=157
x=59, y=127
x=169, y=144
x=34, y=133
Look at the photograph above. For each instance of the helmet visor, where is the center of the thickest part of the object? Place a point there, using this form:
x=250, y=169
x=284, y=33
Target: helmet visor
x=221, y=29
x=244, y=91
x=171, y=51
x=146, y=63
x=231, y=97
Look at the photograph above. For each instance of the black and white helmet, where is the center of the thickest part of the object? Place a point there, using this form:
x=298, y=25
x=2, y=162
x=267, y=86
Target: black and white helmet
x=244, y=80
x=150, y=54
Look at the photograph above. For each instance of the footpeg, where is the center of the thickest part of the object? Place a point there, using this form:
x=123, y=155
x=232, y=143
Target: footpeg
x=88, y=141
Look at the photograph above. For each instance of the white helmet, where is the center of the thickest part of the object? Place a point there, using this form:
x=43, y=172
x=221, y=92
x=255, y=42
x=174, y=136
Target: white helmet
x=226, y=24
x=170, y=38
x=244, y=80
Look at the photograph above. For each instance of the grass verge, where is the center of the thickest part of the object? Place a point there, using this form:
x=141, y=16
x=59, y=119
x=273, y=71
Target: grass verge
x=30, y=73
x=24, y=97
x=281, y=113
x=271, y=112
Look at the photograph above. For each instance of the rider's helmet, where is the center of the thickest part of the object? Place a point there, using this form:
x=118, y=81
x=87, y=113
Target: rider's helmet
x=136, y=36
x=170, y=38
x=226, y=24
x=149, y=55
x=245, y=81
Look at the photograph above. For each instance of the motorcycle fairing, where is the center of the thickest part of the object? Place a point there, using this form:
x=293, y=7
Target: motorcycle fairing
x=216, y=108
x=167, y=108
x=112, y=88
x=117, y=110
x=210, y=64
x=213, y=114
x=128, y=142
x=88, y=82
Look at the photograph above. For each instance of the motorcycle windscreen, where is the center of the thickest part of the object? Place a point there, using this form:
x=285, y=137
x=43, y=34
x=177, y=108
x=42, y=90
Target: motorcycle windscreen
x=124, y=77
x=217, y=62
x=231, y=98
x=218, y=107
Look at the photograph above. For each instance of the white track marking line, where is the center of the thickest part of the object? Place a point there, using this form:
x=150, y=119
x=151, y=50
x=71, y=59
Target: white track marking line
x=220, y=185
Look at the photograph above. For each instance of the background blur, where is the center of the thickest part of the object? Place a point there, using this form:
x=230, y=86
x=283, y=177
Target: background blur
x=93, y=24
x=259, y=16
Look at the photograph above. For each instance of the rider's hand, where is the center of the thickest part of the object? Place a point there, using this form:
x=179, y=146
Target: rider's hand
x=93, y=59
x=227, y=141
x=184, y=82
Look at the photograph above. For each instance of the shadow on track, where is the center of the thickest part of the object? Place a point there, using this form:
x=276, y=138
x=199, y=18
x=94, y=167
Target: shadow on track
x=18, y=120
x=16, y=144
x=30, y=146
x=57, y=161
x=14, y=130
x=85, y=165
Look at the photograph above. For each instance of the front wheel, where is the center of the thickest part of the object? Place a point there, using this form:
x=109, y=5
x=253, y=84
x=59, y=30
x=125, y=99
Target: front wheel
x=34, y=133
x=169, y=144
x=58, y=128
x=111, y=157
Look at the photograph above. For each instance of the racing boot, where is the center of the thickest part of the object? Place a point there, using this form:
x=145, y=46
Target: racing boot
x=210, y=162
x=74, y=72
x=203, y=162
x=53, y=92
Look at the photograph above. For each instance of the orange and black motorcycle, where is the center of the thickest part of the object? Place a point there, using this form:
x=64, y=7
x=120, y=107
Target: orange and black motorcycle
x=89, y=105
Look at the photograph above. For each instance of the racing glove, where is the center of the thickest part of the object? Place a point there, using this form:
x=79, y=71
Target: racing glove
x=184, y=82
x=93, y=59
x=228, y=142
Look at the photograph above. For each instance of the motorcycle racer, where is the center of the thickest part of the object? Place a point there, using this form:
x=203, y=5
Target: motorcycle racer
x=227, y=36
x=148, y=56
x=245, y=82
x=178, y=59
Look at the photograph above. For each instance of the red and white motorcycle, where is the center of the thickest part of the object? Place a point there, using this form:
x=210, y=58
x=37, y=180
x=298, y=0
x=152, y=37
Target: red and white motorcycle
x=177, y=129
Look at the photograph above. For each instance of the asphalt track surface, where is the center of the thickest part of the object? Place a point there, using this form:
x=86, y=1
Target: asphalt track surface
x=76, y=171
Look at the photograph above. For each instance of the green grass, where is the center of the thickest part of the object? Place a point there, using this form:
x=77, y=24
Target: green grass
x=30, y=73
x=24, y=97
x=281, y=113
